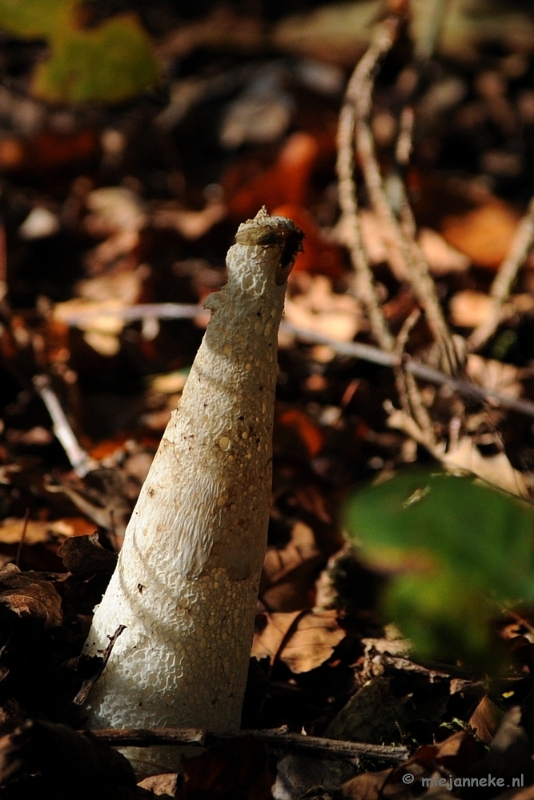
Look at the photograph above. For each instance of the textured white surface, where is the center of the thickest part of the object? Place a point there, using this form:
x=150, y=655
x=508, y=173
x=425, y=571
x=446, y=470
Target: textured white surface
x=187, y=578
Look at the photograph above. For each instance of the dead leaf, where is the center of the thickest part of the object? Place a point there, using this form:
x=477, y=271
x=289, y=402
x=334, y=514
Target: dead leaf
x=457, y=752
x=287, y=572
x=112, y=209
x=320, y=256
x=367, y=786
x=160, y=785
x=61, y=763
x=296, y=426
x=442, y=258
x=190, y=224
x=372, y=714
x=284, y=182
x=485, y=719
x=29, y=595
x=42, y=530
x=85, y=554
x=469, y=308
x=495, y=469
x=313, y=305
x=307, y=639
x=47, y=150
x=494, y=375
x=484, y=234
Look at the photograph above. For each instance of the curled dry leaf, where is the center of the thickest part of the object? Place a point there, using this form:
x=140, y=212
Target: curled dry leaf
x=84, y=554
x=29, y=595
x=190, y=224
x=441, y=257
x=307, y=639
x=298, y=433
x=485, y=719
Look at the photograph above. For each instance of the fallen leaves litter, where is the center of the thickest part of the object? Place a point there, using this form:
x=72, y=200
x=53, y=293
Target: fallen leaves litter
x=301, y=639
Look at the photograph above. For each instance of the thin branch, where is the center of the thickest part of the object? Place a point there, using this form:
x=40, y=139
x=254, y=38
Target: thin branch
x=81, y=461
x=415, y=264
x=409, y=392
x=365, y=352
x=275, y=739
x=134, y=313
x=502, y=285
x=365, y=286
x=470, y=391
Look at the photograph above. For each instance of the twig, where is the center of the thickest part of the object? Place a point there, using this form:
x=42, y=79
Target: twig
x=502, y=285
x=365, y=288
x=134, y=313
x=366, y=352
x=369, y=353
x=414, y=261
x=289, y=742
x=80, y=460
x=409, y=393
x=22, y=537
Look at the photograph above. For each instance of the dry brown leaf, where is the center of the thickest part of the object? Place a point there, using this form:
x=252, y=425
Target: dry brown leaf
x=83, y=554
x=160, y=785
x=494, y=375
x=367, y=786
x=441, y=257
x=190, y=224
x=484, y=234
x=42, y=531
x=496, y=469
x=112, y=209
x=485, y=719
x=319, y=309
x=371, y=715
x=308, y=645
x=288, y=572
x=469, y=308
x=29, y=595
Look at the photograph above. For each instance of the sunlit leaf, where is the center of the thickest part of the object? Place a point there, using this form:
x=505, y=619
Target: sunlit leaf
x=107, y=63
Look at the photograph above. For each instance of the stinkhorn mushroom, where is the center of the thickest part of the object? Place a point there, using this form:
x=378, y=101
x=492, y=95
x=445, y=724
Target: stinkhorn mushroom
x=186, y=582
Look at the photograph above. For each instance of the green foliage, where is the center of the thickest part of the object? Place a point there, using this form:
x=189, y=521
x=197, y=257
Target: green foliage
x=455, y=553
x=108, y=63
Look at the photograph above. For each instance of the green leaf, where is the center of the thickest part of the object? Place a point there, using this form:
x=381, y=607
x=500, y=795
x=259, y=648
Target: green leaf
x=108, y=63
x=455, y=552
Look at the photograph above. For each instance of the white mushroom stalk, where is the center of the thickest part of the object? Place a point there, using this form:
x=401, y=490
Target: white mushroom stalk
x=187, y=578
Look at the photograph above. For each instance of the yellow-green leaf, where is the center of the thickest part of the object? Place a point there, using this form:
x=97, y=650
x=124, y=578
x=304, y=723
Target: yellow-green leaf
x=108, y=63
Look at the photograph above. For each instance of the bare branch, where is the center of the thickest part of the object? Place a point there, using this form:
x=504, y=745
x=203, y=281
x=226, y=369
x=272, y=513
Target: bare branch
x=365, y=287
x=275, y=739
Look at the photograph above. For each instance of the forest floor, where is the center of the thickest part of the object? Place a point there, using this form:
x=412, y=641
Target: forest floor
x=378, y=666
